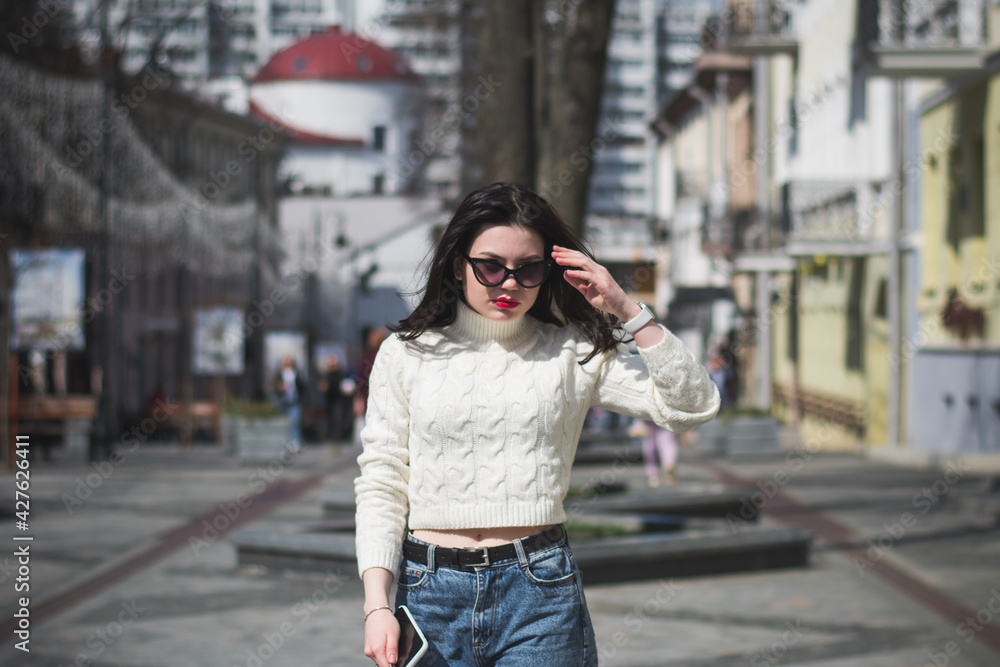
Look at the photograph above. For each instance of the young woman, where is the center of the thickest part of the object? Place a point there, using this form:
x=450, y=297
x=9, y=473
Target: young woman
x=475, y=407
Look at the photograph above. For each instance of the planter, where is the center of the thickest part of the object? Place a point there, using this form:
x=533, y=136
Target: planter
x=712, y=438
x=255, y=439
x=740, y=437
x=753, y=436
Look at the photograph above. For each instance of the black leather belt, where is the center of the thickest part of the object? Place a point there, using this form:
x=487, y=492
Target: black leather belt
x=469, y=558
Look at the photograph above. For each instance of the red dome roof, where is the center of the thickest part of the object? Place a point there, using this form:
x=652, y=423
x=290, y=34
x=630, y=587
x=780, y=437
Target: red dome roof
x=335, y=55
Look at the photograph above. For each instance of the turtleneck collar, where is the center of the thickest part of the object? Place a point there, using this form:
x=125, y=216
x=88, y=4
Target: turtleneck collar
x=470, y=325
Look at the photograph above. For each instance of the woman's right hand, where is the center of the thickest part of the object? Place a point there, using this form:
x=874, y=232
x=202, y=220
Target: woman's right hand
x=382, y=638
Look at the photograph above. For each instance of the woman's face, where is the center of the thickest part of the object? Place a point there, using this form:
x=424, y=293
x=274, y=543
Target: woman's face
x=512, y=247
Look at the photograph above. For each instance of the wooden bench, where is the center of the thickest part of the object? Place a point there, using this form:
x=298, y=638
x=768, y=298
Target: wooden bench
x=47, y=415
x=49, y=420
x=202, y=413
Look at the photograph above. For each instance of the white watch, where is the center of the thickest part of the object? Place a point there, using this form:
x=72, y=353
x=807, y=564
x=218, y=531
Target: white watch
x=644, y=317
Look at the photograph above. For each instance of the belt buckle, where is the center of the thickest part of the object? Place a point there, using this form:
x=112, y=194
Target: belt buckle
x=485, y=551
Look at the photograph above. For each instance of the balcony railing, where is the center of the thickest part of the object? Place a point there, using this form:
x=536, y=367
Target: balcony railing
x=837, y=217
x=741, y=231
x=760, y=27
x=921, y=38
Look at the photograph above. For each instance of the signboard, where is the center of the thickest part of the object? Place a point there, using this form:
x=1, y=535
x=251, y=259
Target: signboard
x=48, y=299
x=218, y=341
x=278, y=345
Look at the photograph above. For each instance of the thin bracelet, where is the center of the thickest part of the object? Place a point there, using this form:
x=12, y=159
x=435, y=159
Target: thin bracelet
x=385, y=606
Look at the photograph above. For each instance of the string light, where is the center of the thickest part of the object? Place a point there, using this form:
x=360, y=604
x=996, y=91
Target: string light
x=52, y=131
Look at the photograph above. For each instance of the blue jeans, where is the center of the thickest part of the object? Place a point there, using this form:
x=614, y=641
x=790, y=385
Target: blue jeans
x=294, y=412
x=525, y=610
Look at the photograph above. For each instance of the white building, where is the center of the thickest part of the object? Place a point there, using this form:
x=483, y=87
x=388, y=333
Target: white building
x=653, y=46
x=353, y=108
x=429, y=36
x=680, y=28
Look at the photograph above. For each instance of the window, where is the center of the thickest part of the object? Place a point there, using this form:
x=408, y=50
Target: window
x=378, y=138
x=792, y=351
x=378, y=184
x=882, y=299
x=623, y=140
x=855, y=321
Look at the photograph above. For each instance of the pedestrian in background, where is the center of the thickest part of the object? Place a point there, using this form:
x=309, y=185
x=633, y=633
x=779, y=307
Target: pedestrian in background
x=372, y=345
x=474, y=408
x=290, y=388
x=337, y=390
x=659, y=451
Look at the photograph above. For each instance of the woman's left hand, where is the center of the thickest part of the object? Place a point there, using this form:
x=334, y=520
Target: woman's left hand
x=595, y=283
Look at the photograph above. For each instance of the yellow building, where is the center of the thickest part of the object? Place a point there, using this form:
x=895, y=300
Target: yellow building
x=954, y=389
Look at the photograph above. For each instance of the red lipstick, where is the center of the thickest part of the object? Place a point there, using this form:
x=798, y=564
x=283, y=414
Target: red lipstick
x=505, y=302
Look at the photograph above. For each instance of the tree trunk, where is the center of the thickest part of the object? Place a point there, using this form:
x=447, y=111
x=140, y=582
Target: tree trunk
x=539, y=128
x=505, y=120
x=573, y=94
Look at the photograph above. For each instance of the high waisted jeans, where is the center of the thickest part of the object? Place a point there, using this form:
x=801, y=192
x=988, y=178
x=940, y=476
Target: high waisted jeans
x=525, y=610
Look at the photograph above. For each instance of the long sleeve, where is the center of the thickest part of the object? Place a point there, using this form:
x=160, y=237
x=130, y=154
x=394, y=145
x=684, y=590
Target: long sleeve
x=664, y=383
x=382, y=487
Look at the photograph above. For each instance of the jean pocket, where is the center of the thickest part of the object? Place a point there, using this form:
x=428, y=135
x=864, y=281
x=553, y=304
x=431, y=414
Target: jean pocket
x=553, y=567
x=411, y=577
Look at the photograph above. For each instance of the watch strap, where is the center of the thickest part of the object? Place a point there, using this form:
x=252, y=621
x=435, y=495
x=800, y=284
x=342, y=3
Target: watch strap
x=644, y=317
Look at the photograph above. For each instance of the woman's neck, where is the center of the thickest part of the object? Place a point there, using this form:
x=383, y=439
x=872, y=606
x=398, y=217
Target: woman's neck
x=476, y=327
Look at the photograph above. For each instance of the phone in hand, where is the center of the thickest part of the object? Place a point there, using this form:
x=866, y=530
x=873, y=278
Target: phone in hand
x=412, y=643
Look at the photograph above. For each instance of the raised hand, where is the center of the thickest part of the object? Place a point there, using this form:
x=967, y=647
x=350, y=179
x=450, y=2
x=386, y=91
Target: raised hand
x=595, y=283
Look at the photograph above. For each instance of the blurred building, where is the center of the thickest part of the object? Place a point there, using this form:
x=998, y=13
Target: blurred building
x=680, y=41
x=862, y=254
x=705, y=130
x=652, y=49
x=953, y=354
x=215, y=47
x=356, y=258
x=173, y=203
x=354, y=232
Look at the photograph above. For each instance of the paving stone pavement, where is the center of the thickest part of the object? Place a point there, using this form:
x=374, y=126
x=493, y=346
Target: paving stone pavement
x=193, y=606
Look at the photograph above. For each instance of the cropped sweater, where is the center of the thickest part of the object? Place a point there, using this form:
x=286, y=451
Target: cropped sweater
x=476, y=424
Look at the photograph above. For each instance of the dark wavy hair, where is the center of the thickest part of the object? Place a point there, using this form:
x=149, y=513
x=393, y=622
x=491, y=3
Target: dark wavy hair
x=558, y=302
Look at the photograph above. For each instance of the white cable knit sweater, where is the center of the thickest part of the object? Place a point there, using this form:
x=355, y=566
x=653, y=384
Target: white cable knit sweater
x=476, y=425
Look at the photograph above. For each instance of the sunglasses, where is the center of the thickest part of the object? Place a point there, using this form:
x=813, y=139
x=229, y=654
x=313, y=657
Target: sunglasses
x=492, y=274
